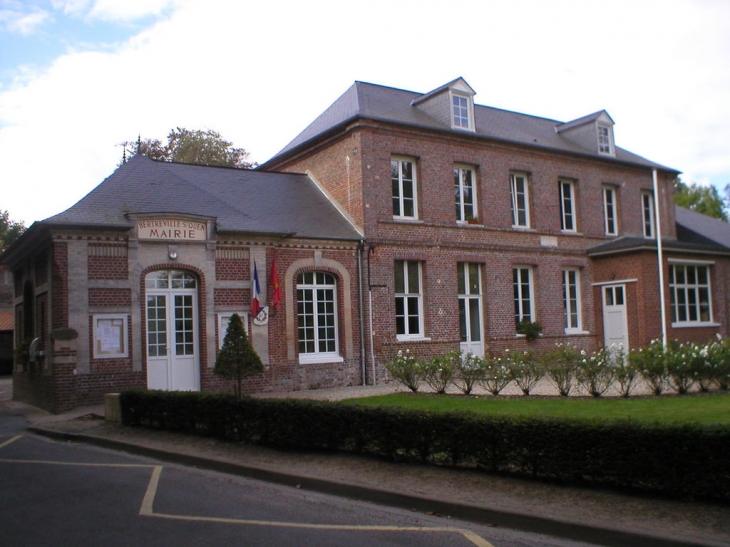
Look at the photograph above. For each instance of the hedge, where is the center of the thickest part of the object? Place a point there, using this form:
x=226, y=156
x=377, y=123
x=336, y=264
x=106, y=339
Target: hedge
x=677, y=460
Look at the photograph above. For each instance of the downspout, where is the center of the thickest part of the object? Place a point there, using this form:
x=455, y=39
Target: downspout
x=361, y=312
x=660, y=256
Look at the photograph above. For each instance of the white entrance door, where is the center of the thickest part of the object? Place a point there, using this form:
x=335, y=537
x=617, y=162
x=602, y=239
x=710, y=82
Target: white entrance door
x=615, y=329
x=172, y=331
x=470, y=309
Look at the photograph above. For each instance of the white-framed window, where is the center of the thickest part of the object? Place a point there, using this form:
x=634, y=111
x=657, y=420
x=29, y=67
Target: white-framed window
x=647, y=213
x=689, y=293
x=571, y=300
x=568, y=218
x=408, y=299
x=605, y=140
x=403, y=179
x=465, y=192
x=224, y=320
x=110, y=336
x=610, y=218
x=317, y=316
x=523, y=294
x=470, y=301
x=520, y=200
x=461, y=112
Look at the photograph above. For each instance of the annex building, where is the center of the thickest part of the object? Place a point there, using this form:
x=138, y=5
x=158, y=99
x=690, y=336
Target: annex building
x=396, y=220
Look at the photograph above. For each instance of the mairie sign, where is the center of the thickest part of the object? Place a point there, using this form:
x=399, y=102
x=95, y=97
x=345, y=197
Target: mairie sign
x=170, y=228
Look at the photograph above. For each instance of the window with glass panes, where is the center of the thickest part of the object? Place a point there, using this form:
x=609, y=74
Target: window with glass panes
x=464, y=192
x=522, y=287
x=519, y=200
x=469, y=287
x=647, y=213
x=571, y=299
x=408, y=299
x=460, y=105
x=403, y=180
x=609, y=211
x=689, y=293
x=317, y=313
x=567, y=205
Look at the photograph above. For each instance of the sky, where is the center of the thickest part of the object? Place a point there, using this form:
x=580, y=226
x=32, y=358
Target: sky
x=79, y=77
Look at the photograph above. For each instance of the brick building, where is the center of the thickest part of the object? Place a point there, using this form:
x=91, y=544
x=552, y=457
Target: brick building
x=134, y=285
x=477, y=218
x=397, y=220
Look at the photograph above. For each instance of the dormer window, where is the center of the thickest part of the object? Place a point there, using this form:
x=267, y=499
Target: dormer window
x=605, y=140
x=461, y=111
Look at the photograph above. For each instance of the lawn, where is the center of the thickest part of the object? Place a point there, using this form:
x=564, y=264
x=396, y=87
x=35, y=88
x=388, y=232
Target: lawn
x=705, y=409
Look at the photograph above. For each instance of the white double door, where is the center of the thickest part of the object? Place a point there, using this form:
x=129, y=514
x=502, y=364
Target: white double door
x=173, y=361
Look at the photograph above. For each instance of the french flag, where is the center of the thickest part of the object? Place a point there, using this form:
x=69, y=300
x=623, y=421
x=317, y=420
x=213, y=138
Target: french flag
x=255, y=291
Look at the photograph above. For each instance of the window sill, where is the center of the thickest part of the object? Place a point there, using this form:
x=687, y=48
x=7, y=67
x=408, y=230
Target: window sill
x=696, y=324
x=409, y=338
x=576, y=331
x=477, y=223
x=522, y=228
x=570, y=233
x=407, y=220
x=309, y=358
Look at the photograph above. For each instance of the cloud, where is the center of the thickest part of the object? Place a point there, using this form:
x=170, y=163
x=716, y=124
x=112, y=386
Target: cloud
x=21, y=23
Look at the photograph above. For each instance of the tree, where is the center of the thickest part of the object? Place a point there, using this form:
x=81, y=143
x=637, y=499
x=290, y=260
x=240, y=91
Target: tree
x=191, y=146
x=9, y=230
x=237, y=359
x=702, y=199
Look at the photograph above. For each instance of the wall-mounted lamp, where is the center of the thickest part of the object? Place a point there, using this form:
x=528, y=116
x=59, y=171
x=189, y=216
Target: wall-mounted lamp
x=172, y=252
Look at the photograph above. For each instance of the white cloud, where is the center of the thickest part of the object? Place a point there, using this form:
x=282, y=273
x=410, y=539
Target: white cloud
x=260, y=72
x=127, y=10
x=21, y=23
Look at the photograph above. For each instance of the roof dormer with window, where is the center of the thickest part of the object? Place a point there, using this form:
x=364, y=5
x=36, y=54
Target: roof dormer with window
x=593, y=132
x=451, y=104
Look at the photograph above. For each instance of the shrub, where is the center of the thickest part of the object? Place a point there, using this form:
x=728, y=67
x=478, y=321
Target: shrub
x=470, y=370
x=625, y=373
x=684, y=363
x=595, y=372
x=406, y=369
x=525, y=369
x=497, y=374
x=651, y=364
x=237, y=359
x=561, y=366
x=718, y=356
x=438, y=372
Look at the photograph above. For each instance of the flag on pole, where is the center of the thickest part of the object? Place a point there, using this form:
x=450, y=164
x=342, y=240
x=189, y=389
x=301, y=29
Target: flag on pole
x=255, y=291
x=274, y=285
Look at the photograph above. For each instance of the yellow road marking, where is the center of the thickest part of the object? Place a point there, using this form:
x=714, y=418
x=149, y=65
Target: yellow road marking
x=147, y=509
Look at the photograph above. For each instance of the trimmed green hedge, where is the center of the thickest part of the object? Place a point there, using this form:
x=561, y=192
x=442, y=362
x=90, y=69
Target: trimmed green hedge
x=678, y=460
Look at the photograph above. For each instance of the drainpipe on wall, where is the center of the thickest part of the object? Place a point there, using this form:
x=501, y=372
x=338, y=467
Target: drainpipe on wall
x=660, y=256
x=360, y=280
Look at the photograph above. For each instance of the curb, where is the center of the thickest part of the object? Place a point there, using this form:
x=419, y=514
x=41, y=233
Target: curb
x=472, y=513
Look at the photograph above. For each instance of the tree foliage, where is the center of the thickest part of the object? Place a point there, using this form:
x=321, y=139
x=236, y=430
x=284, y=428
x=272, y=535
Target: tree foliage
x=9, y=230
x=237, y=359
x=699, y=198
x=202, y=147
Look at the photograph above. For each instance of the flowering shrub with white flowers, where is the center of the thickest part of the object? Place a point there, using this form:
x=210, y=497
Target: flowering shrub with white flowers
x=595, y=373
x=406, y=369
x=497, y=374
x=471, y=369
x=525, y=368
x=438, y=372
x=561, y=366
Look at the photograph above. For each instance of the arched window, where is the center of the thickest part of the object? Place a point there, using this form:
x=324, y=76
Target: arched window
x=317, y=316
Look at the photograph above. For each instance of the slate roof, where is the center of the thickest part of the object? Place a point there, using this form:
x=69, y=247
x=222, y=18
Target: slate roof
x=698, y=227
x=239, y=200
x=695, y=233
x=385, y=104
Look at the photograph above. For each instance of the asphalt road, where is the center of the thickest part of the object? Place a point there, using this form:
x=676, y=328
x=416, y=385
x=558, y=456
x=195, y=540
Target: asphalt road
x=54, y=493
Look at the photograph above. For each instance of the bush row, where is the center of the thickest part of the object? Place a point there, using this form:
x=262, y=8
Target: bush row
x=678, y=366
x=682, y=460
